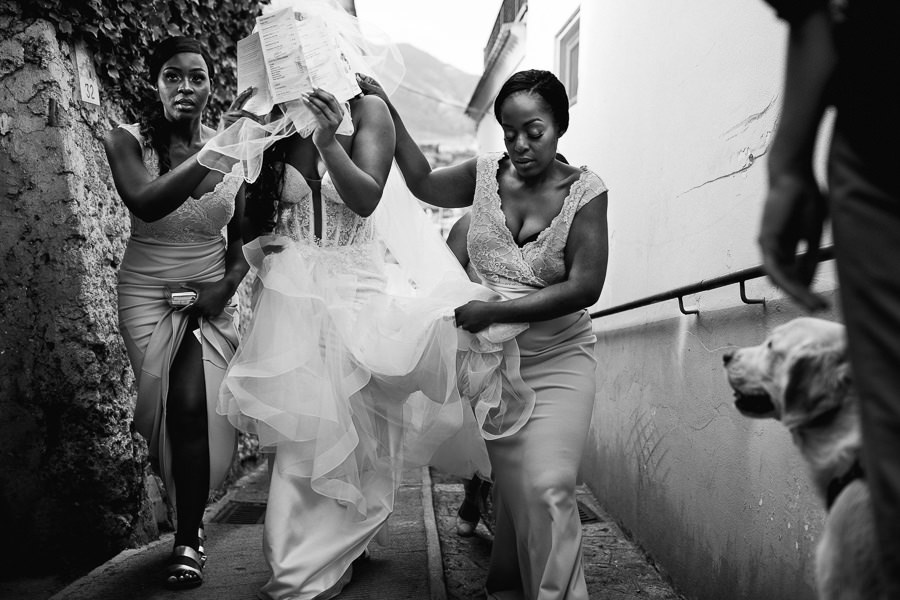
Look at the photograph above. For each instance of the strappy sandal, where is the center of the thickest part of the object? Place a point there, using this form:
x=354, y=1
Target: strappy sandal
x=201, y=541
x=185, y=569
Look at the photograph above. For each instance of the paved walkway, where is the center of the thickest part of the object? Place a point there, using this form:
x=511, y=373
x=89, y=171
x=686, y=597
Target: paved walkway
x=424, y=559
x=614, y=567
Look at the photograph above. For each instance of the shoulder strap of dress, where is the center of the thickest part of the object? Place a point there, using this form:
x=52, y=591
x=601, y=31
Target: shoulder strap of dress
x=135, y=130
x=487, y=163
x=592, y=186
x=485, y=175
x=588, y=187
x=151, y=161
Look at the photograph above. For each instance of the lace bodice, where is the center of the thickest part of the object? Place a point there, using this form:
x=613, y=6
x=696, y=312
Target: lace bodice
x=493, y=250
x=340, y=225
x=197, y=219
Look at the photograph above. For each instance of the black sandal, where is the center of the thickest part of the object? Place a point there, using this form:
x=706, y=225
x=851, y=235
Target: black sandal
x=201, y=540
x=185, y=569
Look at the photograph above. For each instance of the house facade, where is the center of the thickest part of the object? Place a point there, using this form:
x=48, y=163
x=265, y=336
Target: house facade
x=674, y=105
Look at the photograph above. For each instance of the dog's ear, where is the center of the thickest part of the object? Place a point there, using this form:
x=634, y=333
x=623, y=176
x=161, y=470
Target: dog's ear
x=817, y=382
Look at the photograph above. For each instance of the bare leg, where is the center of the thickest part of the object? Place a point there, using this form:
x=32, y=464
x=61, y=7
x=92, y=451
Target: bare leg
x=186, y=421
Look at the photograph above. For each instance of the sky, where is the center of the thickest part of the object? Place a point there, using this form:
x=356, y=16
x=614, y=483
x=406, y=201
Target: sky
x=454, y=31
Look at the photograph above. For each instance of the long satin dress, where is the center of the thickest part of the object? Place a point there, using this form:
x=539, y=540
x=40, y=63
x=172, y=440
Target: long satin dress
x=188, y=244
x=536, y=552
x=350, y=384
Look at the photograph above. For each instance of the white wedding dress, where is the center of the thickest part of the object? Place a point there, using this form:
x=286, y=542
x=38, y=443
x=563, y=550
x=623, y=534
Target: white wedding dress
x=350, y=385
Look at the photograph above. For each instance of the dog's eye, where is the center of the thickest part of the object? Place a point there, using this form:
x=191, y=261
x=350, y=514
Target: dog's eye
x=769, y=345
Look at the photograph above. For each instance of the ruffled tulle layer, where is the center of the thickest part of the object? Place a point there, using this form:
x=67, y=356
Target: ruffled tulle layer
x=358, y=381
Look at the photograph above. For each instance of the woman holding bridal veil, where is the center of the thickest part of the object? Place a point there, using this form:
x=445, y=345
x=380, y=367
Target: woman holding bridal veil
x=347, y=382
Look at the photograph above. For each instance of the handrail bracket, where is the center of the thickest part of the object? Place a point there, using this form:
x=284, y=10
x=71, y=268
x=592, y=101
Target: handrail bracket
x=687, y=311
x=747, y=300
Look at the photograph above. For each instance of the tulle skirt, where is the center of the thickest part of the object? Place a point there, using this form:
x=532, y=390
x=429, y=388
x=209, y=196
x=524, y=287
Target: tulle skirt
x=350, y=385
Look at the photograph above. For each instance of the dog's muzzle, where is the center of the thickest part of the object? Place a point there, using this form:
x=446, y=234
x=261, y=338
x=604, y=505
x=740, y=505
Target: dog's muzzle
x=754, y=405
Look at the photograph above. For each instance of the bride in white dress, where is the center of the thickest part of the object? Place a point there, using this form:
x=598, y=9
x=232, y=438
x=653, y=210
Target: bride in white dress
x=347, y=383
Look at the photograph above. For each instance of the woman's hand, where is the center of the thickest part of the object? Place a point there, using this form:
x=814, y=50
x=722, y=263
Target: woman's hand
x=475, y=315
x=328, y=113
x=236, y=111
x=212, y=297
x=370, y=87
x=794, y=213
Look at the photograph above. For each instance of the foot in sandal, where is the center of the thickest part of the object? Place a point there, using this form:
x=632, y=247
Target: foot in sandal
x=185, y=569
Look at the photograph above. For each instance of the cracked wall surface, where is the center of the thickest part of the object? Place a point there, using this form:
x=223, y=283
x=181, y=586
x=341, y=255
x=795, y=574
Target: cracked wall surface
x=72, y=472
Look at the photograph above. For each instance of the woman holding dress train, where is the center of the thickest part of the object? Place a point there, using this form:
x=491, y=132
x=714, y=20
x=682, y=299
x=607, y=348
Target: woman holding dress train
x=538, y=236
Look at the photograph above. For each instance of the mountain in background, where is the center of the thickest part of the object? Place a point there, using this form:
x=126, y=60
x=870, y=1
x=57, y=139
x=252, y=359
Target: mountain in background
x=432, y=99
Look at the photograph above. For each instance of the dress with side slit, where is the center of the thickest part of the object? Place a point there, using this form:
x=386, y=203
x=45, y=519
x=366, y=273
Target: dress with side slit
x=188, y=244
x=536, y=552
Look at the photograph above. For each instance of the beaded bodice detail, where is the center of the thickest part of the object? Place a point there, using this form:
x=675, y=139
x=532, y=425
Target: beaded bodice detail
x=340, y=225
x=197, y=219
x=492, y=248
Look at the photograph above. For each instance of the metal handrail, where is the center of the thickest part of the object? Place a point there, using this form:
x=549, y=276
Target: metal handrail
x=740, y=277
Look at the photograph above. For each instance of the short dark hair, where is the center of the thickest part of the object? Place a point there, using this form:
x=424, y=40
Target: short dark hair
x=543, y=83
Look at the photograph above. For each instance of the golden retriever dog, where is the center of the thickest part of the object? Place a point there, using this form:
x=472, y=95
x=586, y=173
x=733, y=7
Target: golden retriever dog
x=800, y=376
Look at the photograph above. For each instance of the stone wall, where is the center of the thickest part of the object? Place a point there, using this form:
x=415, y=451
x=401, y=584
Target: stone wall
x=72, y=471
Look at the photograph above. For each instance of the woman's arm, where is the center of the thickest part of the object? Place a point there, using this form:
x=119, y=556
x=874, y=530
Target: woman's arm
x=153, y=198
x=213, y=296
x=359, y=176
x=447, y=187
x=147, y=197
x=795, y=208
x=457, y=239
x=586, y=257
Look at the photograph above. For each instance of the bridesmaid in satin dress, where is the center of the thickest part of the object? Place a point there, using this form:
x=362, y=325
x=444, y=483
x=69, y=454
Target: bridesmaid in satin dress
x=185, y=237
x=538, y=235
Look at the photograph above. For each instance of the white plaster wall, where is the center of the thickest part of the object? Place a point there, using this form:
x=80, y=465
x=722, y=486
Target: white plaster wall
x=545, y=20
x=677, y=97
x=723, y=503
x=489, y=135
x=677, y=105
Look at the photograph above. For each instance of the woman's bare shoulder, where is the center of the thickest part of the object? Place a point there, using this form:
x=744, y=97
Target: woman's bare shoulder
x=369, y=107
x=568, y=171
x=122, y=140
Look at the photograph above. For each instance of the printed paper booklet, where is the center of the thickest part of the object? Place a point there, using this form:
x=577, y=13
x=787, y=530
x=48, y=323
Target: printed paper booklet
x=290, y=54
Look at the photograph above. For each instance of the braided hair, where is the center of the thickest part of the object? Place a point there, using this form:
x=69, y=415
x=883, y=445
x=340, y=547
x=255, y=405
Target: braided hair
x=263, y=194
x=154, y=128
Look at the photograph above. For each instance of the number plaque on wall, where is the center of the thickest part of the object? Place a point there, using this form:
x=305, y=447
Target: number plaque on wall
x=87, y=76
